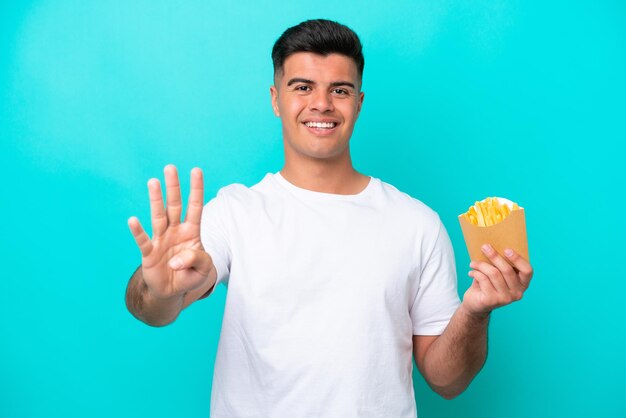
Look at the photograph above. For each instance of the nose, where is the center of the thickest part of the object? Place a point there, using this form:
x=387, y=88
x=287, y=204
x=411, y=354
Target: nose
x=321, y=101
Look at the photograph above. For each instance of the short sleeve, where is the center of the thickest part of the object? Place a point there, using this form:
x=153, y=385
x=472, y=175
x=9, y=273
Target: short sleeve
x=437, y=297
x=215, y=238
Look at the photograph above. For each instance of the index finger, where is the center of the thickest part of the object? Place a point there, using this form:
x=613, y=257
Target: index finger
x=157, y=211
x=196, y=197
x=521, y=264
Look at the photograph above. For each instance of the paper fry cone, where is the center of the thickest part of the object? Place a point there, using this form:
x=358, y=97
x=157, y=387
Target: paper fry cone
x=509, y=233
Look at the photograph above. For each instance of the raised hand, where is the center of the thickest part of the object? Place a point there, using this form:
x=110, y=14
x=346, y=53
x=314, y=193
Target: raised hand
x=173, y=261
x=498, y=283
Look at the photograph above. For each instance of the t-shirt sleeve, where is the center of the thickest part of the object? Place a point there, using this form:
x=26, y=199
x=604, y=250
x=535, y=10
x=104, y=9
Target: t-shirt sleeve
x=215, y=237
x=437, y=297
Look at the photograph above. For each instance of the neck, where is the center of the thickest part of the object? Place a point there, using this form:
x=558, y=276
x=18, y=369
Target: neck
x=336, y=177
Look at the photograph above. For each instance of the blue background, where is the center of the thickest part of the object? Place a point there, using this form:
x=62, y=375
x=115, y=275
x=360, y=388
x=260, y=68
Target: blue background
x=463, y=100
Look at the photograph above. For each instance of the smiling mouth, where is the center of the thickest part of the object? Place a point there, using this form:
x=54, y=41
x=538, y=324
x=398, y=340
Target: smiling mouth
x=320, y=125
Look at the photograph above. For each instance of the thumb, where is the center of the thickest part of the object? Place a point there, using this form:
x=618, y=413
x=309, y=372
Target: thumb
x=189, y=258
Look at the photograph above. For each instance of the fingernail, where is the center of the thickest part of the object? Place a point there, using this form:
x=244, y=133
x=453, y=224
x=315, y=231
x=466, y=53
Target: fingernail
x=508, y=252
x=472, y=265
x=176, y=263
x=486, y=248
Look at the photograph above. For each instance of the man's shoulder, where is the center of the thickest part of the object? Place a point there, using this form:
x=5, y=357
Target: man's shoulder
x=241, y=190
x=406, y=203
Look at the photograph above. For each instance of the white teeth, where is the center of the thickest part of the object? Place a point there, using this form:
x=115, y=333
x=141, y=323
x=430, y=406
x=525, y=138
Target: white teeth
x=323, y=125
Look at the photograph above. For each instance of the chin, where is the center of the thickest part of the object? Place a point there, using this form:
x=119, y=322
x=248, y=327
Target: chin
x=319, y=149
x=326, y=154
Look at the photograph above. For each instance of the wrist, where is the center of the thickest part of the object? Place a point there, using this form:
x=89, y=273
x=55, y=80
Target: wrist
x=160, y=311
x=479, y=317
x=160, y=299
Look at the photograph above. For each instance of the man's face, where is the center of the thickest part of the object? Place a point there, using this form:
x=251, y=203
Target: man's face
x=318, y=100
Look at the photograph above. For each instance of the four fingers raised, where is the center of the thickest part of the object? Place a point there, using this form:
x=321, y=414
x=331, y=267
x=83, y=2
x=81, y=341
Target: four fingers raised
x=164, y=216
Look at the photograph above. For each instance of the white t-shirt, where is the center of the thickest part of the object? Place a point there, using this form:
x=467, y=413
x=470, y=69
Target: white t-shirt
x=324, y=295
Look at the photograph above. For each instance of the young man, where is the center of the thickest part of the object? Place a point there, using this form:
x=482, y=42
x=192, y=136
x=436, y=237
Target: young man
x=335, y=279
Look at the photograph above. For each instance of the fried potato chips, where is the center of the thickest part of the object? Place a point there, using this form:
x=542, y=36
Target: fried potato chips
x=490, y=211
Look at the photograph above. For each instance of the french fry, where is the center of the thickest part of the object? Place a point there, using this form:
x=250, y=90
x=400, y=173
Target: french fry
x=489, y=211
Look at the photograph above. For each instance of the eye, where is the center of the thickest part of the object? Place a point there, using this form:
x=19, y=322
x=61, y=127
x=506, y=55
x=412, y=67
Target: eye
x=302, y=88
x=341, y=92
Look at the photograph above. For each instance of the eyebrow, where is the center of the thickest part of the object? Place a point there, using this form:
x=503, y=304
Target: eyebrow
x=333, y=84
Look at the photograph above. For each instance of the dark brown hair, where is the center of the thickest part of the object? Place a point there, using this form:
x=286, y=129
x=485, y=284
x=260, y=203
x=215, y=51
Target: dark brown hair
x=319, y=36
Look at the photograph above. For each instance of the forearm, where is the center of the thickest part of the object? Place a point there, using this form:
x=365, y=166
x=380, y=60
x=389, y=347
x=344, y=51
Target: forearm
x=145, y=307
x=455, y=358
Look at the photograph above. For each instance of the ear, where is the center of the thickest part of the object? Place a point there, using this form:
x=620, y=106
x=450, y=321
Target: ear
x=274, y=96
x=361, y=97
